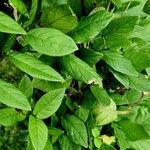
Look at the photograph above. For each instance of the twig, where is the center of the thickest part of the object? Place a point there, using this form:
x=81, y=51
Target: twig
x=108, y=6
x=127, y=7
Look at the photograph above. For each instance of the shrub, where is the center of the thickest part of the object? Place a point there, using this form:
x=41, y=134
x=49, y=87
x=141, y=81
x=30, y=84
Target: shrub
x=75, y=74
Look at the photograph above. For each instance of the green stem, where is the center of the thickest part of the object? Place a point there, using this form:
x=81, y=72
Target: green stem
x=108, y=6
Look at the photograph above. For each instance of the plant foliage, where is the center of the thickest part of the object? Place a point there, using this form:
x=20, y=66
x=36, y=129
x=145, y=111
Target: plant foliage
x=74, y=74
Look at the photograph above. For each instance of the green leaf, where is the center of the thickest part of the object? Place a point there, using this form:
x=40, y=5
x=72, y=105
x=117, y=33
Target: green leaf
x=117, y=2
x=38, y=133
x=76, y=130
x=105, y=115
x=89, y=101
x=90, y=57
x=145, y=101
x=142, y=32
x=130, y=97
x=133, y=131
x=94, y=97
x=146, y=8
x=34, y=67
x=55, y=131
x=141, y=114
x=96, y=132
x=148, y=71
x=67, y=144
x=80, y=70
x=47, y=86
x=121, y=78
x=121, y=137
x=12, y=97
x=89, y=5
x=137, y=10
x=69, y=103
x=125, y=1
x=32, y=13
x=48, y=145
x=54, y=120
x=8, y=25
x=140, y=83
x=140, y=57
x=49, y=103
x=140, y=144
x=20, y=6
x=90, y=26
x=9, y=116
x=82, y=113
x=119, y=30
x=10, y=42
x=29, y=144
x=101, y=95
x=119, y=63
x=25, y=86
x=60, y=17
x=90, y=124
x=76, y=6
x=133, y=96
x=46, y=3
x=50, y=41
x=97, y=142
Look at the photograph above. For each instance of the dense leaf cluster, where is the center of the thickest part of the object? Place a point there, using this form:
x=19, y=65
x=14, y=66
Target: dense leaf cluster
x=75, y=74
